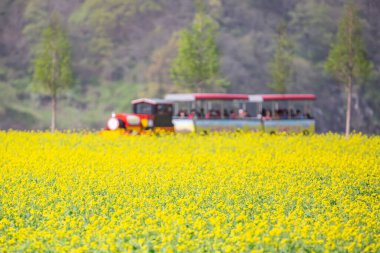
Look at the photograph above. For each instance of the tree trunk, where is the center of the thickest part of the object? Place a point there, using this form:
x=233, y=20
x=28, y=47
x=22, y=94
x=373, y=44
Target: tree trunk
x=53, y=91
x=348, y=111
x=53, y=111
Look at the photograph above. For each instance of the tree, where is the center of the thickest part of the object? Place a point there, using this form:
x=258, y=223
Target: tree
x=281, y=65
x=196, y=66
x=347, y=58
x=52, y=64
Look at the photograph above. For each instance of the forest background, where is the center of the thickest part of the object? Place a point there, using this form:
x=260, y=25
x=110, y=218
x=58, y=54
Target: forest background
x=123, y=49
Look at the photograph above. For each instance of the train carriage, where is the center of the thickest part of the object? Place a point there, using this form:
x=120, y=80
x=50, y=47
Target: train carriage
x=207, y=112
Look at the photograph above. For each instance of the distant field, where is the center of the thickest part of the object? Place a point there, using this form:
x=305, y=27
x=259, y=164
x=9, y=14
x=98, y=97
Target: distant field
x=82, y=192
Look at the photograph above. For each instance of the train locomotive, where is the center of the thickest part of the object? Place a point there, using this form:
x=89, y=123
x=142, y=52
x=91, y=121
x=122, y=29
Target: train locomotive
x=209, y=112
x=149, y=115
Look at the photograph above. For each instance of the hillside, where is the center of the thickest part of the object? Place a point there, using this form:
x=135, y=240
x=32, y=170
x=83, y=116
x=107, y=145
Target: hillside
x=123, y=49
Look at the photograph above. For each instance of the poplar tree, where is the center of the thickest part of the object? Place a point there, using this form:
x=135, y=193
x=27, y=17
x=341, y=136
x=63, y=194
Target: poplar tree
x=196, y=66
x=281, y=64
x=52, y=64
x=347, y=57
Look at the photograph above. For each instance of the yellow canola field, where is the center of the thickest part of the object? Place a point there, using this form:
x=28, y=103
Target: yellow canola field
x=82, y=192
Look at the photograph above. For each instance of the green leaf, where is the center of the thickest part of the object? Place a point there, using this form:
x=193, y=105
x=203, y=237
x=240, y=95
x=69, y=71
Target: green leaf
x=196, y=66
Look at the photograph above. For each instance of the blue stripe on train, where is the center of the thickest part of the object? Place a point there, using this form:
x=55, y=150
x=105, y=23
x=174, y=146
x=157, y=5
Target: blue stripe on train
x=295, y=125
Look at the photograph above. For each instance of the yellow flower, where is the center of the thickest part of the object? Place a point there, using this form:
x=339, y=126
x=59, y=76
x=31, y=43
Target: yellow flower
x=228, y=192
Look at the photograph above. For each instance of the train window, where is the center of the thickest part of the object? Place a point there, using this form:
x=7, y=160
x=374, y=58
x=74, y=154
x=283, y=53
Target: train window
x=164, y=109
x=143, y=108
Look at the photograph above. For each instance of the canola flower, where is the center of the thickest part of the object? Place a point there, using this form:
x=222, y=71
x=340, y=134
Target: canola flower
x=82, y=192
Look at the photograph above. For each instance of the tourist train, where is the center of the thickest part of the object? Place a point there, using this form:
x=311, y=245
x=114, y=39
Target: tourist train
x=208, y=112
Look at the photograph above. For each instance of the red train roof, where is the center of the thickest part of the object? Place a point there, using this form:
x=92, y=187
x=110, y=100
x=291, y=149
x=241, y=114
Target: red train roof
x=206, y=96
x=223, y=96
x=220, y=96
x=269, y=97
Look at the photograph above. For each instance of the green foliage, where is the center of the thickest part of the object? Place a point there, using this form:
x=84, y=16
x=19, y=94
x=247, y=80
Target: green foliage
x=98, y=103
x=52, y=65
x=281, y=65
x=157, y=72
x=346, y=60
x=36, y=16
x=347, y=57
x=196, y=66
x=7, y=94
x=17, y=118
